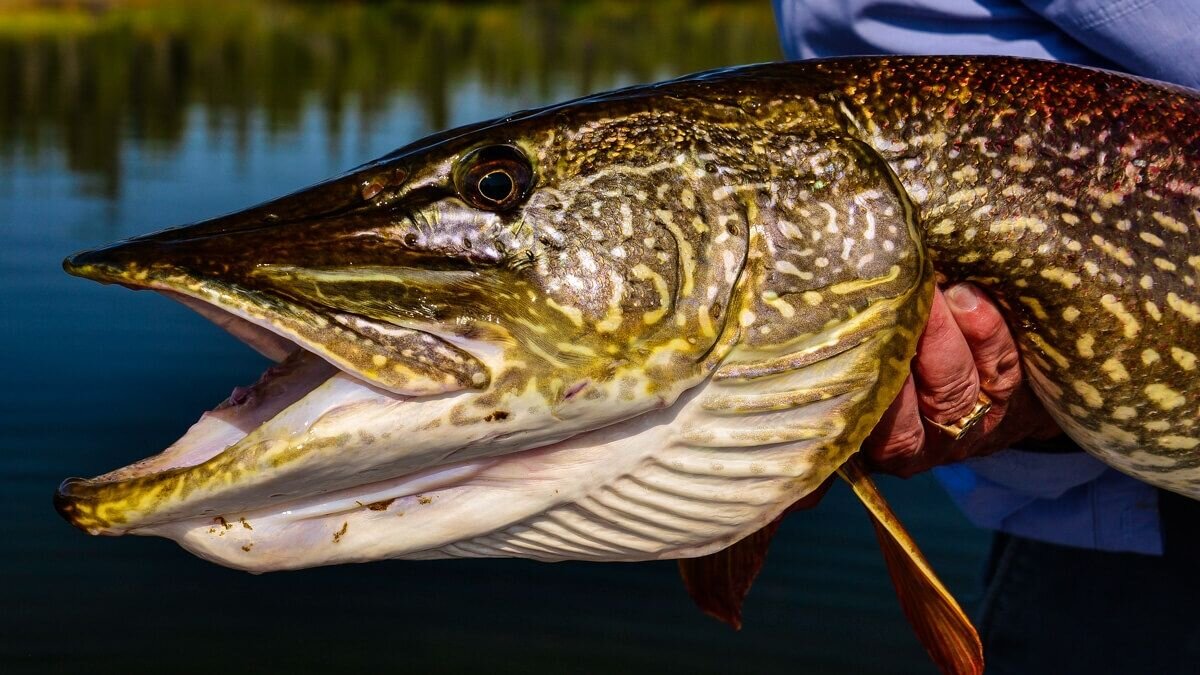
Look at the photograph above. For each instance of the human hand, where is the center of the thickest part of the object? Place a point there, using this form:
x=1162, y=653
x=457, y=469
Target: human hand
x=966, y=349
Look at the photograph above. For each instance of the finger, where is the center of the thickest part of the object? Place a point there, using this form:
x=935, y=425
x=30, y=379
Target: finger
x=899, y=436
x=1000, y=375
x=988, y=338
x=947, y=382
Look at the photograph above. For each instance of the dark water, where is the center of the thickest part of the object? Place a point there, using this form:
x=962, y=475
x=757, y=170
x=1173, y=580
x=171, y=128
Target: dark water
x=117, y=123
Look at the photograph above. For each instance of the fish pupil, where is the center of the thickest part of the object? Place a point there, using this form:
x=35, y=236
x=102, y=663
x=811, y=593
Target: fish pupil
x=496, y=186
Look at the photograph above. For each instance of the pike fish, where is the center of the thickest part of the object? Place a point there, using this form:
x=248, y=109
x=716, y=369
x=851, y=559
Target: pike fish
x=640, y=325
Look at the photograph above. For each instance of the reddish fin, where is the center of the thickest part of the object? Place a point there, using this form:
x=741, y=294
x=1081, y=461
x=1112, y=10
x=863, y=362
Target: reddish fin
x=940, y=624
x=719, y=582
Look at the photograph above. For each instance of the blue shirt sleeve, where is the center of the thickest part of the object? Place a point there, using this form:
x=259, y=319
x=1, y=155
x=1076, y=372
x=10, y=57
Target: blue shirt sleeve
x=1151, y=38
x=816, y=28
x=1159, y=39
x=1068, y=498
x=1063, y=498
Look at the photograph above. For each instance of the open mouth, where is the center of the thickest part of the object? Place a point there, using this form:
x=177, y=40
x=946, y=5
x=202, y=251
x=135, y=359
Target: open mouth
x=297, y=395
x=316, y=433
x=314, y=464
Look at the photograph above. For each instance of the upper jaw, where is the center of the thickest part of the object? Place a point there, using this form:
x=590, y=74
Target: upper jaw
x=275, y=325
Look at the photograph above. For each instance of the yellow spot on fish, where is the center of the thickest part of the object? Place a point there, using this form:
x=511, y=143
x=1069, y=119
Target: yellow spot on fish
x=788, y=268
x=1046, y=349
x=1188, y=309
x=1152, y=310
x=1184, y=358
x=1150, y=238
x=572, y=313
x=1084, y=346
x=1019, y=224
x=968, y=195
x=1115, y=370
x=1169, y=223
x=1157, y=425
x=1177, y=442
x=1113, y=251
x=1149, y=356
x=1115, y=307
x=644, y=273
x=1164, y=396
x=857, y=285
x=772, y=298
x=1003, y=255
x=812, y=297
x=1068, y=279
x=1124, y=412
x=688, y=198
x=379, y=360
x=746, y=318
x=1164, y=264
x=612, y=320
x=1021, y=163
x=944, y=226
x=1070, y=314
x=572, y=348
x=1035, y=306
x=1091, y=395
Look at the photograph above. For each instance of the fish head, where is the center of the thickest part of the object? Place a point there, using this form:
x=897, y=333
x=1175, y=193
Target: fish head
x=466, y=329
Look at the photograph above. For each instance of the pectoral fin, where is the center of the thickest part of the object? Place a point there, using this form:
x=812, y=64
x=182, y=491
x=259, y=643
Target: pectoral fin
x=940, y=624
x=719, y=582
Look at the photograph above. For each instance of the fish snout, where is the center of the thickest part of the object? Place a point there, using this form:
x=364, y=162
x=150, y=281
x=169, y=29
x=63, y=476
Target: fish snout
x=77, y=508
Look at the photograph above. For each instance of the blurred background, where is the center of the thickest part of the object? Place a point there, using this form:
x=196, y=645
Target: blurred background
x=118, y=118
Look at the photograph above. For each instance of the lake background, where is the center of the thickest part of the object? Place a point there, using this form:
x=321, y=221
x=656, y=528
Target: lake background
x=121, y=118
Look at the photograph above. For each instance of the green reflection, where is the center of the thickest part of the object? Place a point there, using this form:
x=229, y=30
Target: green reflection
x=84, y=81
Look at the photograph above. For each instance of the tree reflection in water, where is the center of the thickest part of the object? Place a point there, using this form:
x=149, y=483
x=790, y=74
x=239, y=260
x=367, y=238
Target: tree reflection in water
x=85, y=82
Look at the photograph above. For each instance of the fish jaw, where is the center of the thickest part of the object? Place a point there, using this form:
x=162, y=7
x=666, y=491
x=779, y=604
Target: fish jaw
x=635, y=490
x=275, y=325
x=310, y=430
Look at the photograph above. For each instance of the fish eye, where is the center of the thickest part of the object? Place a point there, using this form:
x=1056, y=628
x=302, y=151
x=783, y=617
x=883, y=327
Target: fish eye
x=496, y=186
x=494, y=177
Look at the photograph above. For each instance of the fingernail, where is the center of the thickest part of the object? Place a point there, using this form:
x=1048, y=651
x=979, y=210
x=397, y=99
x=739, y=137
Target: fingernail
x=963, y=297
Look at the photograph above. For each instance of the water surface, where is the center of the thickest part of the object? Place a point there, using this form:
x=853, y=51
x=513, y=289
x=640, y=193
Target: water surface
x=116, y=123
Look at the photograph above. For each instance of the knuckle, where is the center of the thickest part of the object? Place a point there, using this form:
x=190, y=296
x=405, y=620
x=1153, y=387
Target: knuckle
x=951, y=400
x=1007, y=375
x=902, y=445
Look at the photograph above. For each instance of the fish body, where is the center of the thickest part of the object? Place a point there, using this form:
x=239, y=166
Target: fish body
x=642, y=324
